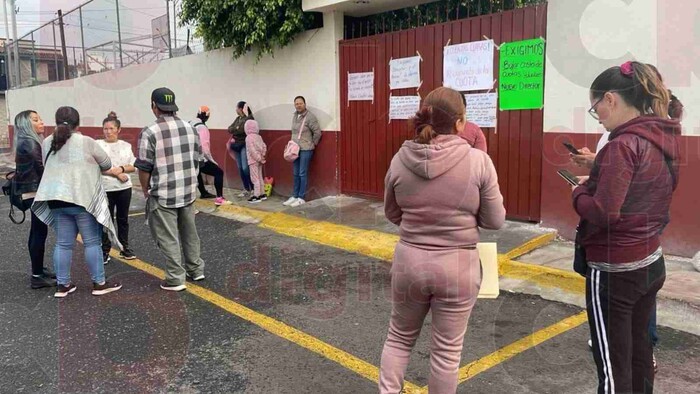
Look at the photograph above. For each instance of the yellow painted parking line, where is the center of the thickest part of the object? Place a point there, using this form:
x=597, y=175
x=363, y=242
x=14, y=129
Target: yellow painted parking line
x=381, y=246
x=273, y=326
x=505, y=353
x=568, y=281
x=531, y=245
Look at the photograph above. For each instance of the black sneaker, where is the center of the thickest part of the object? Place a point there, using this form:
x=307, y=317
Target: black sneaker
x=48, y=272
x=62, y=291
x=253, y=200
x=262, y=197
x=105, y=288
x=127, y=254
x=166, y=286
x=207, y=195
x=38, y=282
x=106, y=258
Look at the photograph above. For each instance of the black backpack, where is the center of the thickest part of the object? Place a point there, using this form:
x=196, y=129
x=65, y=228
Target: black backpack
x=10, y=189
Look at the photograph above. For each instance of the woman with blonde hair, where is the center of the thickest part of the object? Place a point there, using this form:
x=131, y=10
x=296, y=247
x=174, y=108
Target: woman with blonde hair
x=439, y=191
x=29, y=168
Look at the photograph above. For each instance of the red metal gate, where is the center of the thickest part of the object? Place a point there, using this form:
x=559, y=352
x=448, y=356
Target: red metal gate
x=369, y=141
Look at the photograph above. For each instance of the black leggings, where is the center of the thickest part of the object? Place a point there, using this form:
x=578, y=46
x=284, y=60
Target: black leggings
x=210, y=168
x=37, y=242
x=619, y=307
x=121, y=200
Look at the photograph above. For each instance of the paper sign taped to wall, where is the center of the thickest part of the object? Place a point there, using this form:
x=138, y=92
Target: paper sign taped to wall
x=361, y=86
x=468, y=66
x=481, y=108
x=403, y=107
x=521, y=79
x=488, y=254
x=404, y=73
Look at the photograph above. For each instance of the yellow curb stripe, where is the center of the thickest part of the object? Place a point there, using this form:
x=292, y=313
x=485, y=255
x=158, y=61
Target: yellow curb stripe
x=273, y=326
x=233, y=209
x=381, y=245
x=505, y=353
x=543, y=276
x=365, y=242
x=531, y=245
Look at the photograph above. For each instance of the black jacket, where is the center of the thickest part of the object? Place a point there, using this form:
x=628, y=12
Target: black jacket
x=237, y=128
x=29, y=165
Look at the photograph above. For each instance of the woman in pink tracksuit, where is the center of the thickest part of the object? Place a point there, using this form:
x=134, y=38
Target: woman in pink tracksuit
x=439, y=190
x=256, y=150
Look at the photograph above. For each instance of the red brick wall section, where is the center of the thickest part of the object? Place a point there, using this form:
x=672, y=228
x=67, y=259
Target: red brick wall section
x=323, y=177
x=681, y=237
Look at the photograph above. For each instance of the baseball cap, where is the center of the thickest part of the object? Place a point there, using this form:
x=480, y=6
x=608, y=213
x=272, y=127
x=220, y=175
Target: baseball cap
x=164, y=99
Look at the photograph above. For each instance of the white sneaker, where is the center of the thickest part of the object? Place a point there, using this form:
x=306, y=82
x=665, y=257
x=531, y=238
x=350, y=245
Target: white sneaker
x=696, y=261
x=242, y=194
x=590, y=343
x=297, y=202
x=290, y=201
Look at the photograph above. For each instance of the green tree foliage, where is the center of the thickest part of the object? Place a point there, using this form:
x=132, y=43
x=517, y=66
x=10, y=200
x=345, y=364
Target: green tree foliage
x=246, y=24
x=438, y=12
x=265, y=25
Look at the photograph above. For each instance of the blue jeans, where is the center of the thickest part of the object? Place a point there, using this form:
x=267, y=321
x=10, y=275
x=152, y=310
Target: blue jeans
x=653, y=334
x=301, y=172
x=243, y=169
x=68, y=222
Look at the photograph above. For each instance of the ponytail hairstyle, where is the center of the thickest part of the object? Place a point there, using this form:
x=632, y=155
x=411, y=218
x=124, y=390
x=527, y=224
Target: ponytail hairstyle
x=638, y=84
x=112, y=117
x=675, y=106
x=441, y=109
x=67, y=120
x=23, y=128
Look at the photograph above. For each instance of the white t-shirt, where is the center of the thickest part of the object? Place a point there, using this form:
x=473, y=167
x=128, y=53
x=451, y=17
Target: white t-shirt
x=121, y=155
x=602, y=142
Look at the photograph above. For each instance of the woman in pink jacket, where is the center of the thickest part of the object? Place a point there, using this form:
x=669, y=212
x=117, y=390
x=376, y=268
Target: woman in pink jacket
x=439, y=190
x=256, y=150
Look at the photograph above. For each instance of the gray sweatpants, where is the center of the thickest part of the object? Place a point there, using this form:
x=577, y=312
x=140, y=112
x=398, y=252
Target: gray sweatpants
x=175, y=234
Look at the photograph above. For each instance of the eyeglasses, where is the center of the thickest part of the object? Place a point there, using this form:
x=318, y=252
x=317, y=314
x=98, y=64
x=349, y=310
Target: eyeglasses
x=592, y=110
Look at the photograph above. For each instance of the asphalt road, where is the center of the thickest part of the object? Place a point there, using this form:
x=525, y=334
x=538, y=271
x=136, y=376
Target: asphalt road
x=142, y=339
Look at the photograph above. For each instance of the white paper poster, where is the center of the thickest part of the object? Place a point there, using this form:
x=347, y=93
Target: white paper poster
x=468, y=66
x=481, y=109
x=361, y=86
x=404, y=73
x=403, y=107
x=488, y=254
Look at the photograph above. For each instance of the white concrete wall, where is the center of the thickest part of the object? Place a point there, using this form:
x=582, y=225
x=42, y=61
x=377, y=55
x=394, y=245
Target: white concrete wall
x=308, y=67
x=584, y=37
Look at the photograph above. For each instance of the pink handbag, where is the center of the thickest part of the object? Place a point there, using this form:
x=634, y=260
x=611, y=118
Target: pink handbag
x=291, y=151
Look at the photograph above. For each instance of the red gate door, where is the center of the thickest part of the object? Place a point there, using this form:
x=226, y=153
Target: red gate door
x=368, y=140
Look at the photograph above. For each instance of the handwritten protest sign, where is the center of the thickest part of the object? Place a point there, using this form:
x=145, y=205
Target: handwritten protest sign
x=481, y=109
x=404, y=73
x=521, y=80
x=468, y=66
x=361, y=86
x=403, y=107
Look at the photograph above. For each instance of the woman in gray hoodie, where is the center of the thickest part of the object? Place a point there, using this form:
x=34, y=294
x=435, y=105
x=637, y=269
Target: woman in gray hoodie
x=438, y=190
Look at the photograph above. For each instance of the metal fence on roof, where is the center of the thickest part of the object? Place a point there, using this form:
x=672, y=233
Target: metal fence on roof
x=97, y=36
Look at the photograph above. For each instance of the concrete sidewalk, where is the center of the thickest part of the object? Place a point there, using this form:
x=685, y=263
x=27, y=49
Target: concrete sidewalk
x=533, y=260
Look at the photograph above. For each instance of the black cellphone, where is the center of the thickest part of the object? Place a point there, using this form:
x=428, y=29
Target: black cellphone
x=569, y=177
x=571, y=148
